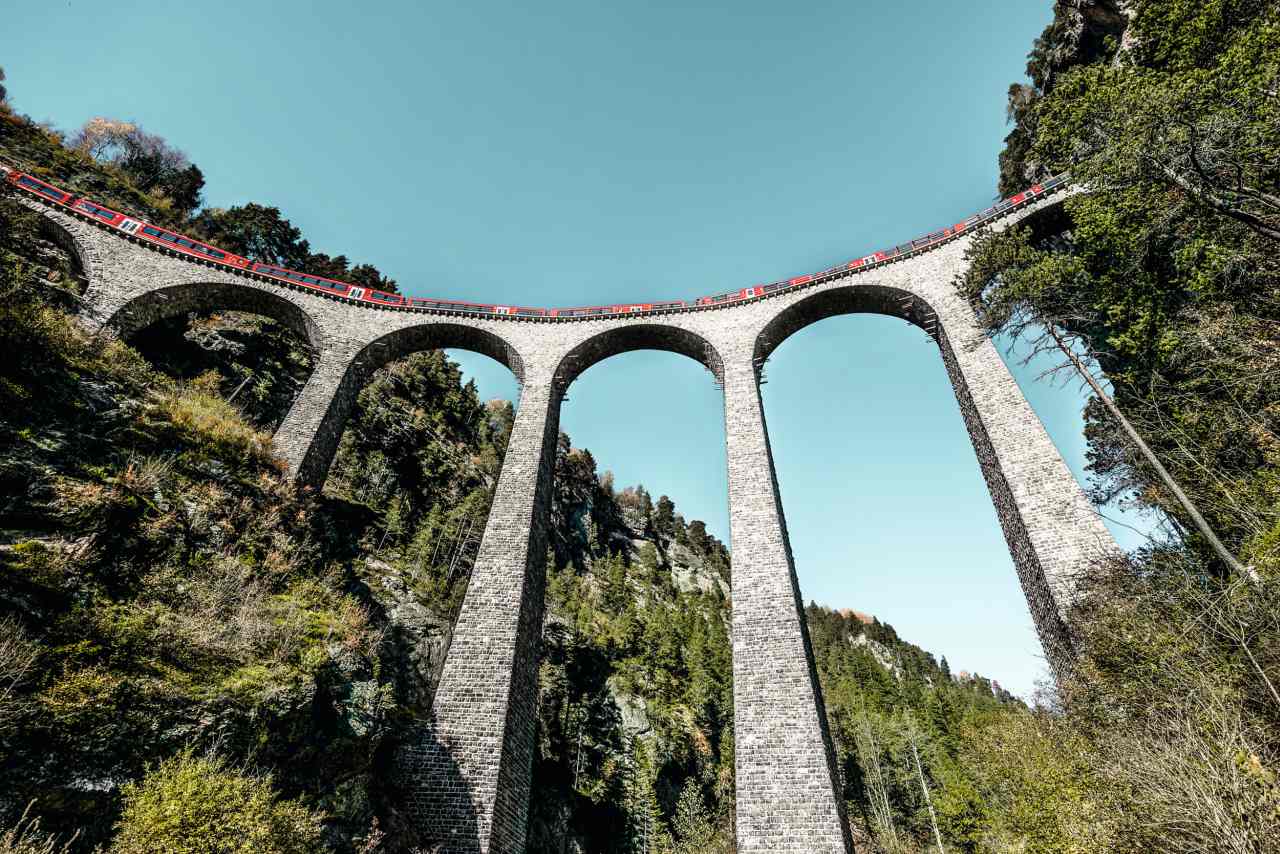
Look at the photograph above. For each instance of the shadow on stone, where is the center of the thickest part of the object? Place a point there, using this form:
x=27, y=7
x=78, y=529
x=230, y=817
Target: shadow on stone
x=208, y=297
x=436, y=807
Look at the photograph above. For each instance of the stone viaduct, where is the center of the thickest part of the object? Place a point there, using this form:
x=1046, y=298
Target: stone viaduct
x=471, y=776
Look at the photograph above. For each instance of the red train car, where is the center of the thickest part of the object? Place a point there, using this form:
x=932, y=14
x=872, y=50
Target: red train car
x=40, y=188
x=178, y=243
x=187, y=246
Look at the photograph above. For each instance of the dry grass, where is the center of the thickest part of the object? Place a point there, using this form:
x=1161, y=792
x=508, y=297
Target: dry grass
x=231, y=614
x=25, y=837
x=17, y=659
x=201, y=414
x=1200, y=779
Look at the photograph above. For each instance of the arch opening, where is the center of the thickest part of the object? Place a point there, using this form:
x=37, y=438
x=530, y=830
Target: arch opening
x=439, y=336
x=68, y=243
x=206, y=297
x=37, y=235
x=854, y=299
x=883, y=476
x=641, y=336
x=637, y=633
x=262, y=347
x=411, y=458
x=898, y=547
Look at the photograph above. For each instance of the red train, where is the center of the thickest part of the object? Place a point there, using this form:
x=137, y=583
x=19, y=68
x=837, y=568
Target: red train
x=143, y=231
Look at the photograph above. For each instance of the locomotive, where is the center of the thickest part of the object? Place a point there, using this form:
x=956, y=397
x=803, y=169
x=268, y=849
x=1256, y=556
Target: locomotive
x=145, y=232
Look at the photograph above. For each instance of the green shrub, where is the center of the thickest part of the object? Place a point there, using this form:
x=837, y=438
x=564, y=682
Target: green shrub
x=198, y=805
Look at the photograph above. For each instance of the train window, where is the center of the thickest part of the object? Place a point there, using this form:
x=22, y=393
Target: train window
x=41, y=188
x=91, y=208
x=154, y=232
x=214, y=253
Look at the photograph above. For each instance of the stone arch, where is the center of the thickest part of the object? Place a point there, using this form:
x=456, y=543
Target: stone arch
x=309, y=437
x=642, y=336
x=853, y=299
x=70, y=242
x=439, y=336
x=164, y=303
x=1045, y=518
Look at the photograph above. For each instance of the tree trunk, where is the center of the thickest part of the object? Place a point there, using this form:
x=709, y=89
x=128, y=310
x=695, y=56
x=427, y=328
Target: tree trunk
x=1187, y=504
x=924, y=787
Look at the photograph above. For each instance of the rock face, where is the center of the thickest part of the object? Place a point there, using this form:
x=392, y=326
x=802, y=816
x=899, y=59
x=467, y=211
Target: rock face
x=883, y=656
x=690, y=572
x=1082, y=32
x=416, y=636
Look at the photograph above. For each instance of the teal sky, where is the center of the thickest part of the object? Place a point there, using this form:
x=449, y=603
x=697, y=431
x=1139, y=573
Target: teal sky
x=571, y=153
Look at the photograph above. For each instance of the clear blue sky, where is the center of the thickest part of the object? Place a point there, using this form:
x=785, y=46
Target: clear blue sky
x=580, y=152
